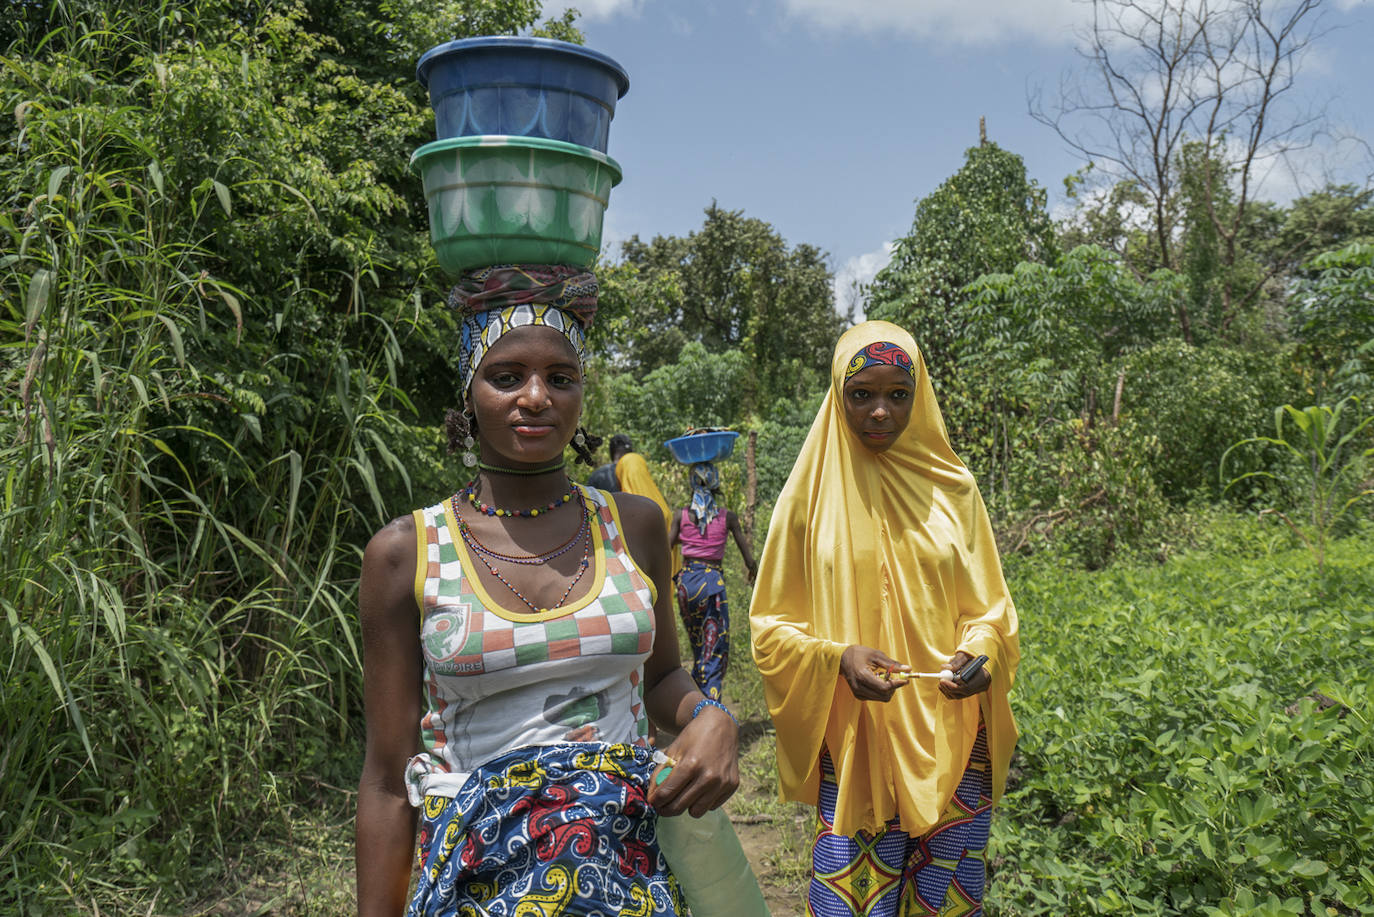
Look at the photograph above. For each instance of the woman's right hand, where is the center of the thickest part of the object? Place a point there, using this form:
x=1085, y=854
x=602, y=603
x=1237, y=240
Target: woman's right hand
x=862, y=666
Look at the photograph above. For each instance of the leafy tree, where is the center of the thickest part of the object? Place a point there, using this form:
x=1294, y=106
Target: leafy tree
x=1192, y=100
x=733, y=284
x=986, y=218
x=1332, y=218
x=1333, y=317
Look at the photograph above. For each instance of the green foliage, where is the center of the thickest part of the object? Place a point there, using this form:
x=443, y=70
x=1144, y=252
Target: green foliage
x=701, y=389
x=733, y=285
x=1325, y=220
x=986, y=218
x=1197, y=402
x=1085, y=494
x=1328, y=467
x=1333, y=318
x=1180, y=752
x=1048, y=333
x=1033, y=409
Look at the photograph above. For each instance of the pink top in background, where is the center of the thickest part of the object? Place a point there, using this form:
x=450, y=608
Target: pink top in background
x=696, y=546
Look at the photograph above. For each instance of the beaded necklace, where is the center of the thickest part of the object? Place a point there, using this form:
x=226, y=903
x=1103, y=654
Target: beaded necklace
x=545, y=557
x=482, y=552
x=470, y=493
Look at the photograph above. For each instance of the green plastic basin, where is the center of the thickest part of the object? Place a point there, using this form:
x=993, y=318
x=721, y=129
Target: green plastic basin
x=500, y=200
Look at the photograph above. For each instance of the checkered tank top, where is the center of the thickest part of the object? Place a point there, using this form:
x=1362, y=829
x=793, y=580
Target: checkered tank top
x=497, y=679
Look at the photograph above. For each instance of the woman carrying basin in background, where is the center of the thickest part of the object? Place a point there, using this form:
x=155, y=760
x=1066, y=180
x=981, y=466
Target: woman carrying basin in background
x=701, y=528
x=880, y=564
x=518, y=636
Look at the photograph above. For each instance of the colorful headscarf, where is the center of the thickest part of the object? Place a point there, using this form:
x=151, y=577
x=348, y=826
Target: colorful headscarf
x=571, y=289
x=498, y=299
x=705, y=482
x=478, y=332
x=891, y=550
x=880, y=353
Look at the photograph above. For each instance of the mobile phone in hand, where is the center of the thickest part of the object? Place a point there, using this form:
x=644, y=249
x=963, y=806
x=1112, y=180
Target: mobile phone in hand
x=966, y=674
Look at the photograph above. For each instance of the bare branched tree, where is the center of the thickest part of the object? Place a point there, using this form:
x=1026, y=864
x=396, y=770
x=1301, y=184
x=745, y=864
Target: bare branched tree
x=1165, y=74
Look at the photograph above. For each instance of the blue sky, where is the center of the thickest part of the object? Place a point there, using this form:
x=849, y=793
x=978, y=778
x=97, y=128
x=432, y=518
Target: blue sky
x=830, y=118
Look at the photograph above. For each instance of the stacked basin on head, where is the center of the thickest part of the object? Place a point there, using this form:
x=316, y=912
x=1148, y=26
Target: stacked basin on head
x=519, y=173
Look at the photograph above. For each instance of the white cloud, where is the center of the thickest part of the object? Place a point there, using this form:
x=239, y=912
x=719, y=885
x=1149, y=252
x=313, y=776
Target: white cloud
x=857, y=271
x=594, y=9
x=965, y=21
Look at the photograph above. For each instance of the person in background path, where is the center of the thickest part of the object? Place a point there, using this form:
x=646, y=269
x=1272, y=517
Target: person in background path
x=603, y=478
x=631, y=475
x=701, y=529
x=880, y=559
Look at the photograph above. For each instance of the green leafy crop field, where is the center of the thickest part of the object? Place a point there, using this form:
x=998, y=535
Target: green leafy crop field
x=1196, y=739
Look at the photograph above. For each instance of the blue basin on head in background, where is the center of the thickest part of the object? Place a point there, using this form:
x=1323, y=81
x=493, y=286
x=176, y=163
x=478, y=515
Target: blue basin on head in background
x=702, y=447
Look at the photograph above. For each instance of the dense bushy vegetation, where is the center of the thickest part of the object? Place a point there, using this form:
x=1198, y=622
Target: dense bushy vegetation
x=210, y=334
x=1196, y=738
x=223, y=369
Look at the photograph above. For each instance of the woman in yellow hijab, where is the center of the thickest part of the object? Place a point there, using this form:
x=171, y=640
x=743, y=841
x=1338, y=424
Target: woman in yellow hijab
x=880, y=567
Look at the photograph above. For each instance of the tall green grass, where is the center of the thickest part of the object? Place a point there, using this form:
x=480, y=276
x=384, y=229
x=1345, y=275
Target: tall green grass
x=177, y=552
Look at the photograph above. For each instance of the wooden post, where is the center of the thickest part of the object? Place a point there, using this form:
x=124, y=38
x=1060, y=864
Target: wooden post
x=982, y=130
x=751, y=485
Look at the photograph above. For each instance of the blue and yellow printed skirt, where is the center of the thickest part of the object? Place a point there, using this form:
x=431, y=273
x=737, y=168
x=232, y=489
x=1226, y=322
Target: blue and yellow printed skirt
x=706, y=618
x=547, y=830
x=894, y=874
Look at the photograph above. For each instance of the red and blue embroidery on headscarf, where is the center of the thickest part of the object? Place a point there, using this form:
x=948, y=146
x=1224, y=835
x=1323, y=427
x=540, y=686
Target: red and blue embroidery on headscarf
x=880, y=353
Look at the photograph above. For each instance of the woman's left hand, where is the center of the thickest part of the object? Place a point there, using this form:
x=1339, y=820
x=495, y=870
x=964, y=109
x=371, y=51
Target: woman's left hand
x=976, y=685
x=705, y=769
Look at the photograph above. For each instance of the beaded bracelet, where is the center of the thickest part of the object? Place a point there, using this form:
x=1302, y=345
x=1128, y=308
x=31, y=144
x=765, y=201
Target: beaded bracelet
x=712, y=703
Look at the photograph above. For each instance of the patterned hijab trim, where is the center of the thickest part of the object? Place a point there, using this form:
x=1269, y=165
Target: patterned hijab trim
x=480, y=331
x=705, y=482
x=880, y=353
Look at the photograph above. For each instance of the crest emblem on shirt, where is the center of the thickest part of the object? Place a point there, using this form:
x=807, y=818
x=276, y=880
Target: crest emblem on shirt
x=444, y=633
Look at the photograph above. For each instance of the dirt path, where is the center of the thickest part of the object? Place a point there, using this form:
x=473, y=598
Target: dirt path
x=760, y=845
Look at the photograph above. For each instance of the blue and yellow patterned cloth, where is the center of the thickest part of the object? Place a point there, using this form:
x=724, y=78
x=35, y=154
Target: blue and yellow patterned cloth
x=502, y=297
x=547, y=830
x=483, y=329
x=705, y=613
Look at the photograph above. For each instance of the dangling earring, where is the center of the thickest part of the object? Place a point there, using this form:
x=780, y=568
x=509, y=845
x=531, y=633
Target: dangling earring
x=581, y=438
x=469, y=455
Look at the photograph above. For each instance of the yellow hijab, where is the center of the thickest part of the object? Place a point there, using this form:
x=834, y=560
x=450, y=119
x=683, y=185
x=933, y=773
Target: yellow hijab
x=893, y=551
x=633, y=474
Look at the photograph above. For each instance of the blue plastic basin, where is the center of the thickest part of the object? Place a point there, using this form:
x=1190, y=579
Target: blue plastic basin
x=702, y=447
x=523, y=87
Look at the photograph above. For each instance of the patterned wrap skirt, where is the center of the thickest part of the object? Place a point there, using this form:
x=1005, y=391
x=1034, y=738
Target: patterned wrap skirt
x=893, y=874
x=548, y=830
x=706, y=618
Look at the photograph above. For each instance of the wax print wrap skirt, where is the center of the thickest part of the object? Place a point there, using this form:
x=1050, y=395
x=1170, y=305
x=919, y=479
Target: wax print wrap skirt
x=894, y=874
x=705, y=614
x=550, y=830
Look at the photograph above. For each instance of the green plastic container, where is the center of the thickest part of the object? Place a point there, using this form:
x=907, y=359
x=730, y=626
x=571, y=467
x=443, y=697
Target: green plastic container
x=501, y=200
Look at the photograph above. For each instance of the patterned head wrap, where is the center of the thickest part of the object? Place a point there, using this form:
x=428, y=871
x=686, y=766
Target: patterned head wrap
x=705, y=483
x=498, y=299
x=880, y=353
